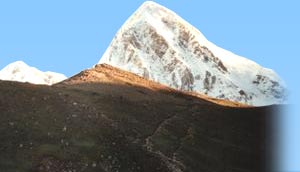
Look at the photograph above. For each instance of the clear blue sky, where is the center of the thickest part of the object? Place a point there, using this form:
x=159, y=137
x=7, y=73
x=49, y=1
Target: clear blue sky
x=69, y=36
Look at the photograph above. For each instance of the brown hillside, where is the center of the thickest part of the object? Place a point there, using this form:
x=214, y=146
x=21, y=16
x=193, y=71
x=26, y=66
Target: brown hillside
x=106, y=119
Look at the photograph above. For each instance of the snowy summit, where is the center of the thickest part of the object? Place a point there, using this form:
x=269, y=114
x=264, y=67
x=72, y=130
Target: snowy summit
x=159, y=45
x=21, y=72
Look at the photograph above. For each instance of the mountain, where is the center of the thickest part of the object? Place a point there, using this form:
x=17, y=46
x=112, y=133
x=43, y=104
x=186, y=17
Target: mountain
x=159, y=45
x=21, y=72
x=105, y=119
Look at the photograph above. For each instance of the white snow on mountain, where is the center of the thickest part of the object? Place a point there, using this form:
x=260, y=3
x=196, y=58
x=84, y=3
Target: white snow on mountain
x=159, y=45
x=21, y=72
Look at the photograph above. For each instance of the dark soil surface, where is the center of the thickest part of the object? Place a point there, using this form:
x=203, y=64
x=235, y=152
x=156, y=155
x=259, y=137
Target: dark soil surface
x=108, y=120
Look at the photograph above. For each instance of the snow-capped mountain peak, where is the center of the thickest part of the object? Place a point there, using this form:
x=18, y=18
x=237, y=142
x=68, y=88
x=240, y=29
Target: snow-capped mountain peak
x=159, y=45
x=21, y=72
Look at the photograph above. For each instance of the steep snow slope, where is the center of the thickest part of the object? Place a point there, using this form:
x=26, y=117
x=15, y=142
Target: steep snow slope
x=21, y=72
x=159, y=45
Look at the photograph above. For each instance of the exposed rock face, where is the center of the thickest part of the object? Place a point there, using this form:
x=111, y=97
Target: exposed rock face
x=105, y=119
x=159, y=45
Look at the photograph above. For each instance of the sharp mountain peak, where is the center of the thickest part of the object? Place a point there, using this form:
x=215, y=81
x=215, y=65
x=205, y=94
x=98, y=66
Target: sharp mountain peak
x=159, y=45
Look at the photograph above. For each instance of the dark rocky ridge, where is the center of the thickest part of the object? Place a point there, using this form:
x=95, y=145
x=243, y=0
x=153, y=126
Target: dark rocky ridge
x=106, y=119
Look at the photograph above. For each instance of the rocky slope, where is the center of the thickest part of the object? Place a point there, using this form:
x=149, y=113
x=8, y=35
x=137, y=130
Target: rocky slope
x=21, y=72
x=159, y=45
x=106, y=119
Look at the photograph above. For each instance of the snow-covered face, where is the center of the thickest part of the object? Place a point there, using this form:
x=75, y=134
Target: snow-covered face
x=159, y=45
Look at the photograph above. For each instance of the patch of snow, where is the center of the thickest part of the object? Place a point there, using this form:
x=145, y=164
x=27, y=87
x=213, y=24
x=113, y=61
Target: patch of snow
x=21, y=72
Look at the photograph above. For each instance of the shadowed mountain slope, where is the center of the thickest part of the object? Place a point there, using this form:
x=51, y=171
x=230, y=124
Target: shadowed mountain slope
x=106, y=119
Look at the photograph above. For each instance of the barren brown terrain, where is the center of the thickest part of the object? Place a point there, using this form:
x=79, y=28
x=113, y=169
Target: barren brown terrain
x=106, y=119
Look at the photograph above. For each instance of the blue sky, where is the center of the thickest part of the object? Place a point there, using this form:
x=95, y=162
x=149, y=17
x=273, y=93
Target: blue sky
x=69, y=36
